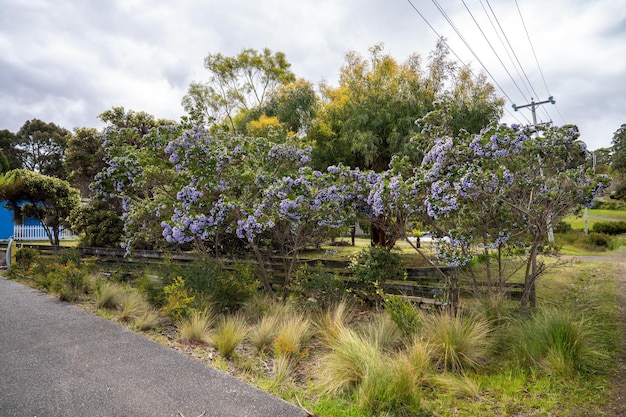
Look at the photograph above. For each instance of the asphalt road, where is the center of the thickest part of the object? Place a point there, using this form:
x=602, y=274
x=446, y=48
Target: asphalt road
x=57, y=360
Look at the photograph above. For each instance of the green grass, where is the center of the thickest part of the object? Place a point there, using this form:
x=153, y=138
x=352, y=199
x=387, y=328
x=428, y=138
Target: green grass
x=196, y=328
x=229, y=332
x=595, y=215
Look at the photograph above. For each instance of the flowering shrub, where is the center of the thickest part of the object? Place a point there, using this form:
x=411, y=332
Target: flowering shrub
x=504, y=188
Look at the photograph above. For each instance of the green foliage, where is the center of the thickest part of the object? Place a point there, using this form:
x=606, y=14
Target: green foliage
x=26, y=257
x=68, y=281
x=72, y=255
x=178, y=300
x=595, y=241
x=610, y=228
x=97, y=225
x=618, y=162
x=42, y=147
x=562, y=227
x=84, y=158
x=236, y=83
x=317, y=285
x=407, y=316
x=371, y=267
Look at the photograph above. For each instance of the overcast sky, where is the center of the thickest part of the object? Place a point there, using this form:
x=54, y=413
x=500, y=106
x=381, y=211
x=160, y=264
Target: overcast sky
x=67, y=61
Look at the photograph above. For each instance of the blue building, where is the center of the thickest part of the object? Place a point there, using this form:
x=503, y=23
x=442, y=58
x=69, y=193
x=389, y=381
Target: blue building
x=8, y=229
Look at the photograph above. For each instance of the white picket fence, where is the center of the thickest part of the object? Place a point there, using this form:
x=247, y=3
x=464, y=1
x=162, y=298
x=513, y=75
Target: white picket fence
x=21, y=232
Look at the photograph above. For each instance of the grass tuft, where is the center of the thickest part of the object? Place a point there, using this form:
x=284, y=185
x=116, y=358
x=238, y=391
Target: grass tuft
x=196, y=327
x=109, y=295
x=229, y=333
x=459, y=341
x=292, y=335
x=262, y=334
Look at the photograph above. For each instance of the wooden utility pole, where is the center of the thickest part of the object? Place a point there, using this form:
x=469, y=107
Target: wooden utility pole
x=533, y=109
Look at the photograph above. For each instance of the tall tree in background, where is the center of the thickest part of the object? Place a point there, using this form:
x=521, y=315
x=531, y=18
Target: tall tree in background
x=235, y=84
x=84, y=158
x=41, y=147
x=619, y=150
x=370, y=116
x=8, y=142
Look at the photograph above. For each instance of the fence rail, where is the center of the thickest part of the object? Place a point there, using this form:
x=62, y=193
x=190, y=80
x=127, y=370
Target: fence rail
x=23, y=232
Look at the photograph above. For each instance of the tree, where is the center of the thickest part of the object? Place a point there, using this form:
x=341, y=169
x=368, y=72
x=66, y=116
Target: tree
x=294, y=105
x=47, y=199
x=84, y=158
x=136, y=174
x=8, y=143
x=619, y=150
x=370, y=116
x=502, y=190
x=236, y=84
x=41, y=147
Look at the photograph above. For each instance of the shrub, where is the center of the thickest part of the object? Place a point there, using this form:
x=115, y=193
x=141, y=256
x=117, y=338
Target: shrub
x=407, y=317
x=26, y=257
x=562, y=227
x=196, y=327
x=459, y=341
x=317, y=285
x=610, y=228
x=229, y=333
x=372, y=266
x=68, y=281
x=70, y=255
x=597, y=240
x=178, y=300
x=228, y=289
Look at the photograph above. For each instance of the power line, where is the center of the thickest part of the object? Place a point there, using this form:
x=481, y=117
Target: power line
x=536, y=60
x=459, y=59
x=493, y=50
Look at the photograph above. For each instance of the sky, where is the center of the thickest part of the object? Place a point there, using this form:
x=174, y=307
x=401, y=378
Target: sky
x=67, y=61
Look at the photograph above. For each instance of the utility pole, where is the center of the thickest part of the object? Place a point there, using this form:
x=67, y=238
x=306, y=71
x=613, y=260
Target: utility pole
x=533, y=108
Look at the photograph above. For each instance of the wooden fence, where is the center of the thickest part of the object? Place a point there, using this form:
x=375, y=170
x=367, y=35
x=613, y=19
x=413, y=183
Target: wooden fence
x=425, y=285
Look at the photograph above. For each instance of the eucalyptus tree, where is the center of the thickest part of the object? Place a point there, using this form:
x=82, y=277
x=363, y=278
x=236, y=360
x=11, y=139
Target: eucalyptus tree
x=235, y=84
x=41, y=147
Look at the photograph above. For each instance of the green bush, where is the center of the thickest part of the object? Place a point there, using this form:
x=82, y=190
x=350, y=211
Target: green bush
x=70, y=255
x=371, y=267
x=26, y=257
x=610, y=228
x=596, y=240
x=318, y=285
x=68, y=281
x=225, y=288
x=562, y=227
x=407, y=317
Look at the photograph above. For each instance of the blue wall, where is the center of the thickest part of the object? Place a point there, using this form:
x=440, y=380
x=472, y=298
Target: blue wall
x=6, y=222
